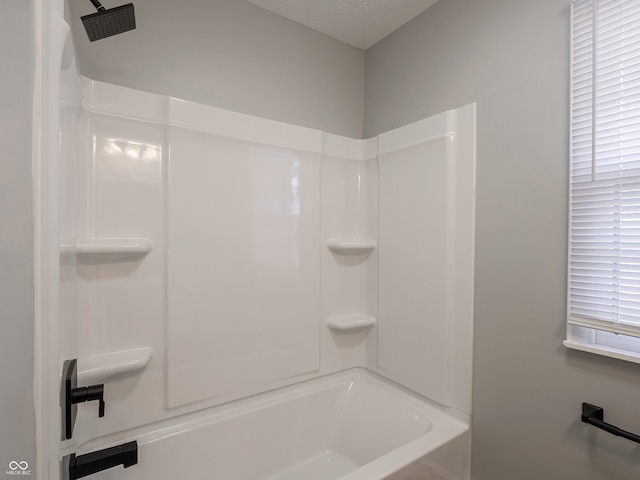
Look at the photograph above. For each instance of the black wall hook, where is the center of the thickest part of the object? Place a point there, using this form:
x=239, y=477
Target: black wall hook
x=594, y=415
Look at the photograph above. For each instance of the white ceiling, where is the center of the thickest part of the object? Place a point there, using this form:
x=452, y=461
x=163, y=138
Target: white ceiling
x=361, y=23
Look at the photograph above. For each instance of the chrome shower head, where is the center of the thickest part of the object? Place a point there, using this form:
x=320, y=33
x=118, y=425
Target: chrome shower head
x=108, y=22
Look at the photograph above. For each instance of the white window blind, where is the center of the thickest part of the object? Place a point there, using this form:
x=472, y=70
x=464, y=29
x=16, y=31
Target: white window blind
x=604, y=230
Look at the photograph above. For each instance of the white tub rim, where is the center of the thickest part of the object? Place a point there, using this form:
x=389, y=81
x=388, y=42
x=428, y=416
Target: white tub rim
x=447, y=424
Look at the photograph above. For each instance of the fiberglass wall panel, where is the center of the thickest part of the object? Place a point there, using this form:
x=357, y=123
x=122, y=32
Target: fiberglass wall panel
x=242, y=265
x=426, y=255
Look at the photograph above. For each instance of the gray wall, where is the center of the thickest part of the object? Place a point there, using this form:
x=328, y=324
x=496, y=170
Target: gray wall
x=17, y=424
x=234, y=55
x=511, y=57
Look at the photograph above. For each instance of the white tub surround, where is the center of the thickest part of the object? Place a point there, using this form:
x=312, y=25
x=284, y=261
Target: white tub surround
x=427, y=212
x=218, y=262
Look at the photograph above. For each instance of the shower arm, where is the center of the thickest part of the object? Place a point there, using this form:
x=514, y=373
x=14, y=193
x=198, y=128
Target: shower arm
x=97, y=4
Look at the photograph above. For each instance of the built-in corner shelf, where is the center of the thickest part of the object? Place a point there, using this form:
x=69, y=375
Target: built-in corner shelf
x=108, y=250
x=351, y=246
x=98, y=368
x=354, y=322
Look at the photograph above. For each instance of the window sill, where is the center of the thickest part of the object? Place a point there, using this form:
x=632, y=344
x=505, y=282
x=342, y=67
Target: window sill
x=602, y=350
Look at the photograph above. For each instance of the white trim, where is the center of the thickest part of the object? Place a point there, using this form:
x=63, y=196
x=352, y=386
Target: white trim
x=50, y=34
x=40, y=394
x=601, y=350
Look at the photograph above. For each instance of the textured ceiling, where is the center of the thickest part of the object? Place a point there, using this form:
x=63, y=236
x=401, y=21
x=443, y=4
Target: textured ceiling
x=361, y=23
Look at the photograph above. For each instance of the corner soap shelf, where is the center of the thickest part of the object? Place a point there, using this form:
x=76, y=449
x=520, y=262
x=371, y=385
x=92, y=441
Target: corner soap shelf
x=98, y=368
x=108, y=250
x=354, y=322
x=351, y=246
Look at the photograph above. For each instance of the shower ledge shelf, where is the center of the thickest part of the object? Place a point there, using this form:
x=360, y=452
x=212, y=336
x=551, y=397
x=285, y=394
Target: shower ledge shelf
x=98, y=368
x=108, y=250
x=351, y=246
x=355, y=322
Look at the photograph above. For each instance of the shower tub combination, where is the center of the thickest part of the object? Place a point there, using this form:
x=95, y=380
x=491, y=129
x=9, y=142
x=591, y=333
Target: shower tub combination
x=361, y=367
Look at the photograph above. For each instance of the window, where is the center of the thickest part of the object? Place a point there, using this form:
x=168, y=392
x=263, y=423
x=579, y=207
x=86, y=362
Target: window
x=604, y=210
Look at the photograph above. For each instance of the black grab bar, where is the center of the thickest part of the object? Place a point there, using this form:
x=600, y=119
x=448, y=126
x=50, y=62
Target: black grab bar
x=594, y=415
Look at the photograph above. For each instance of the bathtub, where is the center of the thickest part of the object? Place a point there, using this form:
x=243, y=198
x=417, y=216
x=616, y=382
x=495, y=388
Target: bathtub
x=353, y=425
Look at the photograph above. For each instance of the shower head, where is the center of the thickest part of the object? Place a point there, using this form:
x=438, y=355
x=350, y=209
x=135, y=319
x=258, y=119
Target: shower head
x=107, y=22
